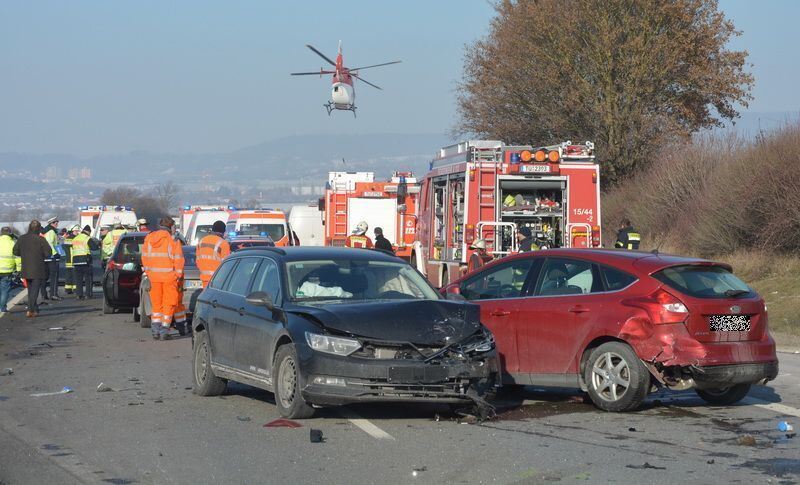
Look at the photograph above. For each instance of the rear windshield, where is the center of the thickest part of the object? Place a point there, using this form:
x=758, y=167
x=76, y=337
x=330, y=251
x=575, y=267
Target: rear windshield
x=704, y=282
x=237, y=245
x=129, y=250
x=202, y=231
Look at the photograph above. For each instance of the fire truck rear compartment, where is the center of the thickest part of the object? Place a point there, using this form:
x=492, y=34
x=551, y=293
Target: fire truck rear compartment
x=534, y=203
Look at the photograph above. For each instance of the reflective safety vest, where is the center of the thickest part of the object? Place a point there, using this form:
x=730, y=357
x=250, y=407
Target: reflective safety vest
x=634, y=238
x=110, y=242
x=80, y=250
x=67, y=245
x=210, y=253
x=358, y=242
x=162, y=257
x=8, y=262
x=52, y=239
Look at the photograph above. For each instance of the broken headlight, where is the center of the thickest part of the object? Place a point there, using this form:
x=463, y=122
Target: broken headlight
x=332, y=345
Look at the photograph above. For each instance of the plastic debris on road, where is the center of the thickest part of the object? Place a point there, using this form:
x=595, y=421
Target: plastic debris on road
x=105, y=388
x=65, y=390
x=283, y=423
x=786, y=428
x=7, y=371
x=746, y=440
x=315, y=436
x=243, y=418
x=56, y=328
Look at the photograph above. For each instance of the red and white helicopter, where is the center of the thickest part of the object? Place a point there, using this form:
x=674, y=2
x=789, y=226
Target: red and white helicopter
x=343, y=94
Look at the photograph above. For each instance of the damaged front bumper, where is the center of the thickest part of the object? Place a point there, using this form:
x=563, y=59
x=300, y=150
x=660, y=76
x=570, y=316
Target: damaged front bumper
x=334, y=380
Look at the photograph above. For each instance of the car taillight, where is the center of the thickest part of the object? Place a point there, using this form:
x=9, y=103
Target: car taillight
x=661, y=306
x=113, y=265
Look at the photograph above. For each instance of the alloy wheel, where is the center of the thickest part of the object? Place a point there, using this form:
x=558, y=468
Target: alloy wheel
x=610, y=376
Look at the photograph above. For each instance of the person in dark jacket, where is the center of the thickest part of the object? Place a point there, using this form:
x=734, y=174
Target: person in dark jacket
x=33, y=250
x=627, y=237
x=525, y=240
x=82, y=246
x=381, y=242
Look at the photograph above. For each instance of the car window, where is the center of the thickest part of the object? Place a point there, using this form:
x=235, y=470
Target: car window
x=242, y=274
x=562, y=276
x=129, y=250
x=222, y=272
x=616, y=279
x=268, y=279
x=704, y=281
x=503, y=281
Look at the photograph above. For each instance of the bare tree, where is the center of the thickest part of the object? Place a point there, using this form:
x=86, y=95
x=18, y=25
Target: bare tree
x=630, y=75
x=167, y=195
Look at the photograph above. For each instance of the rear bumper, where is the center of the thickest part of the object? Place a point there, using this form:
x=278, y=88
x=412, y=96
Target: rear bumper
x=721, y=376
x=366, y=380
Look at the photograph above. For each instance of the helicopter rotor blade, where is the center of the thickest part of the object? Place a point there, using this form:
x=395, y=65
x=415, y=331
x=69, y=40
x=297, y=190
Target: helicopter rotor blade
x=320, y=54
x=317, y=73
x=375, y=65
x=365, y=81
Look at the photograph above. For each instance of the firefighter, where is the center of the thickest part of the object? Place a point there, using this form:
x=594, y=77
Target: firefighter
x=162, y=259
x=9, y=264
x=69, y=278
x=111, y=238
x=141, y=225
x=211, y=250
x=381, y=242
x=81, y=256
x=479, y=257
x=525, y=240
x=50, y=234
x=359, y=238
x=627, y=237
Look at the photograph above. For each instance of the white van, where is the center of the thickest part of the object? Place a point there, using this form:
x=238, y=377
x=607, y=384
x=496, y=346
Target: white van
x=111, y=215
x=306, y=222
x=201, y=223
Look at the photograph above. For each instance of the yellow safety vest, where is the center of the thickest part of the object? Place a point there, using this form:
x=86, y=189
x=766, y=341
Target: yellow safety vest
x=8, y=262
x=110, y=241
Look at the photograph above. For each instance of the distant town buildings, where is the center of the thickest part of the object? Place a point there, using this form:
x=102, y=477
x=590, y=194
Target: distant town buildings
x=83, y=173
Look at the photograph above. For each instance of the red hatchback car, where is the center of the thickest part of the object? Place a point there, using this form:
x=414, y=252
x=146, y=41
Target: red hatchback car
x=619, y=324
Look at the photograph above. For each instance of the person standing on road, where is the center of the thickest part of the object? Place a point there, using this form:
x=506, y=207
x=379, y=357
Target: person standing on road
x=162, y=260
x=359, y=238
x=211, y=250
x=81, y=253
x=627, y=237
x=50, y=234
x=381, y=242
x=69, y=277
x=33, y=250
x=525, y=240
x=9, y=264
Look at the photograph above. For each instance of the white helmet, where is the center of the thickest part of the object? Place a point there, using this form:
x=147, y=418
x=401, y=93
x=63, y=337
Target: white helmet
x=361, y=228
x=142, y=222
x=75, y=228
x=478, y=244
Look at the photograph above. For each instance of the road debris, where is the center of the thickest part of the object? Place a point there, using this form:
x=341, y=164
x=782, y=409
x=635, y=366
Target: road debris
x=243, y=418
x=632, y=429
x=7, y=371
x=746, y=440
x=418, y=470
x=65, y=390
x=786, y=428
x=57, y=328
x=105, y=388
x=646, y=466
x=315, y=435
x=283, y=423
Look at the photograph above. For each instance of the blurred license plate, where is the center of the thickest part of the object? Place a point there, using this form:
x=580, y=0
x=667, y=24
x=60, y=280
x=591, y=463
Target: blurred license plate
x=729, y=323
x=535, y=168
x=192, y=284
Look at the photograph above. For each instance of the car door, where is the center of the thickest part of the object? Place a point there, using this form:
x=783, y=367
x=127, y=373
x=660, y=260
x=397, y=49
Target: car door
x=228, y=312
x=257, y=327
x=497, y=290
x=565, y=304
x=209, y=311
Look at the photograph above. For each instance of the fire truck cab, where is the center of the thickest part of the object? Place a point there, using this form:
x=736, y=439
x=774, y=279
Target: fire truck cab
x=352, y=197
x=486, y=189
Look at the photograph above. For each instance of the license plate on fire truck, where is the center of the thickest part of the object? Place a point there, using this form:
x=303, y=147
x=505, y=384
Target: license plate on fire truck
x=729, y=323
x=534, y=168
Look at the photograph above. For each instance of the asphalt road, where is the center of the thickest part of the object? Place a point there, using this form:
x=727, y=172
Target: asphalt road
x=152, y=429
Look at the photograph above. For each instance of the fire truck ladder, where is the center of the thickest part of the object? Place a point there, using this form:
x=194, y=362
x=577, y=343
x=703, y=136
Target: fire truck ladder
x=340, y=229
x=486, y=165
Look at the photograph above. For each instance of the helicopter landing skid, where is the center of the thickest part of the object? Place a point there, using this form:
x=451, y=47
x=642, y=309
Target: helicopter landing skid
x=330, y=106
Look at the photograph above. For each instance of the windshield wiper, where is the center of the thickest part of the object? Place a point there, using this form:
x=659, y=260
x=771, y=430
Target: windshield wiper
x=319, y=298
x=735, y=293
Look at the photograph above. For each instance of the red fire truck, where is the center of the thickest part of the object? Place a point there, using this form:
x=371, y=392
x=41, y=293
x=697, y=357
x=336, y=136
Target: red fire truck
x=352, y=197
x=486, y=189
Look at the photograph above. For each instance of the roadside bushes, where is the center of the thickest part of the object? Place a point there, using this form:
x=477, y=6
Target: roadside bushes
x=715, y=195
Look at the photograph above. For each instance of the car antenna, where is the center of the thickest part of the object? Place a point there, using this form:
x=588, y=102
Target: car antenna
x=658, y=248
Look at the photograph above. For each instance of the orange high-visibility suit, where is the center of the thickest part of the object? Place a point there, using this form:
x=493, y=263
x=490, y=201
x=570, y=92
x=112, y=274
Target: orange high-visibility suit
x=211, y=250
x=162, y=259
x=358, y=241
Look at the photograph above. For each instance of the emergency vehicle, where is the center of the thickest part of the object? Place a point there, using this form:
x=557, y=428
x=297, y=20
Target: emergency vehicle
x=352, y=197
x=306, y=222
x=105, y=216
x=260, y=223
x=186, y=212
x=201, y=222
x=486, y=189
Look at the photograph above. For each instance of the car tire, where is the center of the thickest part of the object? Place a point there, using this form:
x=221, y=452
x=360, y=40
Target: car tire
x=144, y=310
x=107, y=309
x=286, y=382
x=615, y=378
x=204, y=382
x=724, y=396
x=136, y=315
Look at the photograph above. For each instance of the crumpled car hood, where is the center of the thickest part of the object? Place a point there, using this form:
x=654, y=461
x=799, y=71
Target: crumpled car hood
x=422, y=322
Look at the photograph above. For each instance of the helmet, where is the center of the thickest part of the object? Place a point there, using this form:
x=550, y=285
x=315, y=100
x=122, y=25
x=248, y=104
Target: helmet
x=75, y=228
x=361, y=228
x=478, y=244
x=142, y=222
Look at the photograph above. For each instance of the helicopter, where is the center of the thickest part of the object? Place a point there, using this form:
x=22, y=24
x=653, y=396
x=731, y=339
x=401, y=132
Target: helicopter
x=343, y=94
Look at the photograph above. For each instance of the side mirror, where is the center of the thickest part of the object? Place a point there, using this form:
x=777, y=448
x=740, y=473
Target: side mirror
x=260, y=298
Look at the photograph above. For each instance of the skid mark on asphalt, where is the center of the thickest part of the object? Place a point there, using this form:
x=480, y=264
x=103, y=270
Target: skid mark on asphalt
x=366, y=425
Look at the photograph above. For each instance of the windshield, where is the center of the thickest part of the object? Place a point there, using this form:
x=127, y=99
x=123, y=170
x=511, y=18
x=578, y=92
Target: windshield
x=202, y=231
x=129, y=250
x=704, y=281
x=343, y=279
x=275, y=231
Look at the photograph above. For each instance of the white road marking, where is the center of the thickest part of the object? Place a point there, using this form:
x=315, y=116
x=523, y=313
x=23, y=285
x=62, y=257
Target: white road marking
x=15, y=299
x=365, y=424
x=773, y=406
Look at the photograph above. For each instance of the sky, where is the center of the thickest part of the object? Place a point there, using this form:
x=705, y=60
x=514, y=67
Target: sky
x=96, y=77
